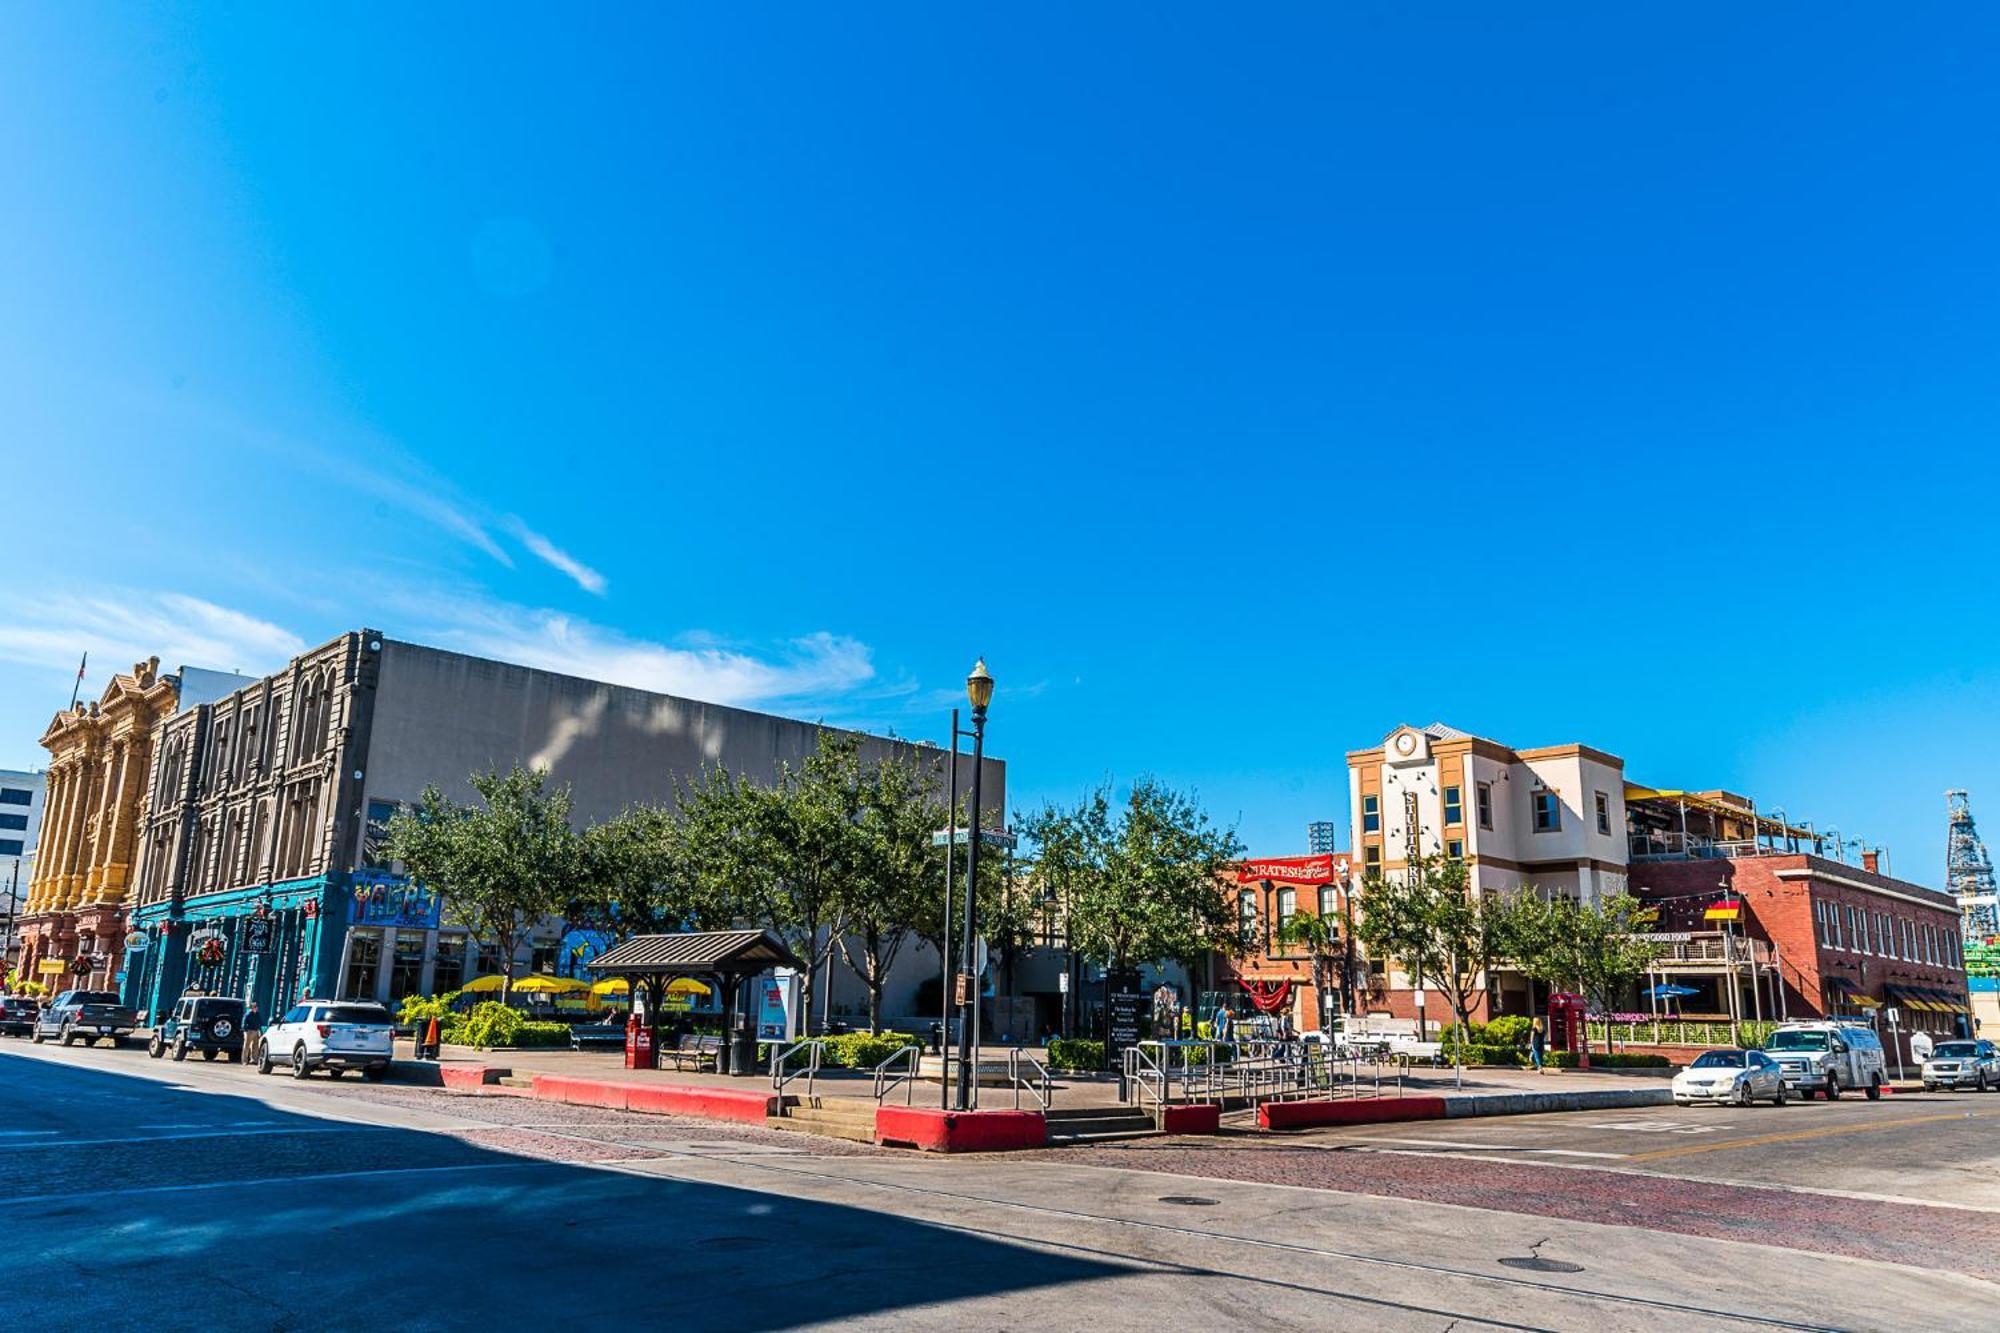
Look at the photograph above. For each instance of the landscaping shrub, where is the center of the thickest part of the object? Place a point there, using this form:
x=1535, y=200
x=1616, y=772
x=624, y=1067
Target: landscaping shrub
x=493, y=1024
x=422, y=1008
x=542, y=1034
x=1506, y=1056
x=1077, y=1053
x=865, y=1050
x=1608, y=1060
x=1509, y=1030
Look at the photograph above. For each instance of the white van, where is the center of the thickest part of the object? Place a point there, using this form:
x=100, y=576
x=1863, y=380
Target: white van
x=1829, y=1057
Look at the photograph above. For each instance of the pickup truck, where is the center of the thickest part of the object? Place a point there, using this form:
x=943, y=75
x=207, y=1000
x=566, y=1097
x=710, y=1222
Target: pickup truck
x=89, y=1014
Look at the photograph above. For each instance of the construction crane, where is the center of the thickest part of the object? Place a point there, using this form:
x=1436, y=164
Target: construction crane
x=1968, y=873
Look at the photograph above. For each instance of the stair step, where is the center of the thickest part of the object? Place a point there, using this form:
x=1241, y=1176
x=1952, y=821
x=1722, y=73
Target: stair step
x=825, y=1129
x=1101, y=1136
x=515, y=1081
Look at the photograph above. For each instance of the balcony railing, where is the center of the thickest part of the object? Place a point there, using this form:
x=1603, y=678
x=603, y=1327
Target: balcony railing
x=1714, y=951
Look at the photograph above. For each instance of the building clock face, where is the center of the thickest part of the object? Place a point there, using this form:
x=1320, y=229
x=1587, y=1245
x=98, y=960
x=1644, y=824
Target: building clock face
x=1406, y=744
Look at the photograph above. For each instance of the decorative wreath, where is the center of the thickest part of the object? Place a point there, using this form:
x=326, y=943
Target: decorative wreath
x=210, y=952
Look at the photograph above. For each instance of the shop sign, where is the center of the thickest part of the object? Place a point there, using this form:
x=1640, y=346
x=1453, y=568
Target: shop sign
x=52, y=966
x=138, y=941
x=257, y=935
x=1666, y=937
x=1287, y=869
x=1127, y=1004
x=393, y=901
x=776, y=997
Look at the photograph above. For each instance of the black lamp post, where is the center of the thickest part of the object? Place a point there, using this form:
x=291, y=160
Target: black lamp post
x=978, y=689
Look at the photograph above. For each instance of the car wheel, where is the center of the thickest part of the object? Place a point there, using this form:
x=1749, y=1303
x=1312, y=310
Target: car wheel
x=68, y=1037
x=180, y=1050
x=1981, y=1085
x=1832, y=1088
x=299, y=1069
x=264, y=1061
x=156, y=1048
x=1779, y=1097
x=35, y=1035
x=1875, y=1088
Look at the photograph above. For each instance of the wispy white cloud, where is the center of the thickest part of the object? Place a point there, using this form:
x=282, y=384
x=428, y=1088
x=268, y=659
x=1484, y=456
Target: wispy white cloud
x=545, y=550
x=815, y=668
x=118, y=628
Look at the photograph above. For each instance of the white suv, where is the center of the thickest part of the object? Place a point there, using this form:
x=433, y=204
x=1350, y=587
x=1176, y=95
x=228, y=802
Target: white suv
x=334, y=1035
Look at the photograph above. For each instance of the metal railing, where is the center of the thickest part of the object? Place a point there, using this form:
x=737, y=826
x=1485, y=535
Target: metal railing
x=888, y=1078
x=781, y=1076
x=1249, y=1074
x=1036, y=1080
x=1139, y=1074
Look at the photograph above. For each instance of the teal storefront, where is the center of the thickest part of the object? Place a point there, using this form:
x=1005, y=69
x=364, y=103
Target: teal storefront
x=271, y=944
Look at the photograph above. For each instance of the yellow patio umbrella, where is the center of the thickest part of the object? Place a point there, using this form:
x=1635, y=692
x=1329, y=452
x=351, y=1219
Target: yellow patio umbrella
x=485, y=985
x=543, y=984
x=678, y=986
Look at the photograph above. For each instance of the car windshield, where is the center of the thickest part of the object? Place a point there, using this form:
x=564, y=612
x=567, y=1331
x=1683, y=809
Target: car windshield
x=1956, y=1050
x=1796, y=1041
x=358, y=1013
x=1720, y=1060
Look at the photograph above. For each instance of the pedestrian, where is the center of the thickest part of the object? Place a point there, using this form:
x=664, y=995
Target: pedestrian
x=253, y=1035
x=1921, y=1046
x=1537, y=1045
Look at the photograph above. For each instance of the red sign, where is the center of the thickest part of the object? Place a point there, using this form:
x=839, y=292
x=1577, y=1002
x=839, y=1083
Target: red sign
x=1288, y=870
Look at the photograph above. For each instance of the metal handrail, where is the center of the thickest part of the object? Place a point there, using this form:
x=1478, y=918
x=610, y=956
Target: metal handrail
x=885, y=1084
x=1040, y=1086
x=780, y=1076
x=1132, y=1075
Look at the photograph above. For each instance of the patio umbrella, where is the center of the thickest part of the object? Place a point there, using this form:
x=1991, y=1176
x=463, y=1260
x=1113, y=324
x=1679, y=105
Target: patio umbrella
x=678, y=986
x=541, y=983
x=484, y=985
x=1668, y=990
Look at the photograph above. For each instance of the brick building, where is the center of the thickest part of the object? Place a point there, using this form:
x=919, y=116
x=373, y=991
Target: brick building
x=1811, y=937
x=1274, y=976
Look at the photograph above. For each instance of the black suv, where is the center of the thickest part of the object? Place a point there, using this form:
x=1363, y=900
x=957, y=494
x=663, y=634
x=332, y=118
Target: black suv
x=18, y=1013
x=205, y=1023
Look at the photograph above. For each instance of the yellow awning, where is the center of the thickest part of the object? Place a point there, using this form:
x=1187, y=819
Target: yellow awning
x=1865, y=1001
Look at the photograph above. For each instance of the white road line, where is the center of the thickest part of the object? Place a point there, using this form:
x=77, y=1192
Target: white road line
x=277, y=1180
x=13, y=1133
x=1486, y=1147
x=219, y=1133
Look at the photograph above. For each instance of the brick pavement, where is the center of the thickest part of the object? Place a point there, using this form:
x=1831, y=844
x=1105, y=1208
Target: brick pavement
x=1955, y=1239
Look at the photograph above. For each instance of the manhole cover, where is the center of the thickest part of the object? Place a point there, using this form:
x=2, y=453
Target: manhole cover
x=1188, y=1200
x=1537, y=1264
x=732, y=1242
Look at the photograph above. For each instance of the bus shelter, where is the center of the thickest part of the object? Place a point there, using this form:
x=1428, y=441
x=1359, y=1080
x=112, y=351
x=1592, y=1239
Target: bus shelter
x=650, y=963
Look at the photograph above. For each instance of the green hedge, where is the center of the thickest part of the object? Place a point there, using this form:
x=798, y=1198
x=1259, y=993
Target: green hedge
x=850, y=1050
x=1504, y=1056
x=491, y=1024
x=1078, y=1053
x=1607, y=1060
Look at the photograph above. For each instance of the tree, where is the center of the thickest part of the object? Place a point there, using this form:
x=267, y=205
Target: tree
x=637, y=879
x=501, y=866
x=1319, y=935
x=899, y=882
x=1429, y=920
x=1594, y=949
x=1143, y=885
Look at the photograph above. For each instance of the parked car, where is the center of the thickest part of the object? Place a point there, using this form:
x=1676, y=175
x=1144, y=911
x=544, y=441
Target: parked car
x=18, y=1014
x=1829, y=1057
x=1733, y=1076
x=89, y=1014
x=1963, y=1064
x=334, y=1035
x=210, y=1024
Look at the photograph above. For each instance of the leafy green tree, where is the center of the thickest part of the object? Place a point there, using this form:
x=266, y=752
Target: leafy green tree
x=637, y=879
x=1594, y=949
x=1318, y=936
x=501, y=865
x=1143, y=883
x=899, y=881
x=1429, y=920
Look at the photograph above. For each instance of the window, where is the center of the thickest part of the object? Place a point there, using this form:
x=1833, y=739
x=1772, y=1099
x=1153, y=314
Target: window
x=1246, y=913
x=364, y=961
x=16, y=796
x=14, y=822
x=1604, y=814
x=1548, y=811
x=1288, y=906
x=406, y=975
x=296, y=1014
x=1482, y=796
x=12, y=847
x=1454, y=806
x=1371, y=814
x=449, y=973
x=1329, y=900
x=1454, y=850
x=1371, y=858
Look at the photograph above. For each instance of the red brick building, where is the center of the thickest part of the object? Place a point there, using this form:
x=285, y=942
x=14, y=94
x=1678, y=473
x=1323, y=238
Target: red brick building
x=1813, y=938
x=1274, y=977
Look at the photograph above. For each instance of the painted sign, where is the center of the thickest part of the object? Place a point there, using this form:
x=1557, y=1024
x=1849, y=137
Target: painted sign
x=390, y=900
x=50, y=966
x=138, y=941
x=1287, y=869
x=257, y=935
x=776, y=995
x=1126, y=1005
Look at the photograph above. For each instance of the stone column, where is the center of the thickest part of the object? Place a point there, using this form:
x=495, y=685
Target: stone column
x=64, y=835
x=52, y=807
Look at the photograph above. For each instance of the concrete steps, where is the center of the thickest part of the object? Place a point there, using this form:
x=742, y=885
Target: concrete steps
x=829, y=1117
x=1098, y=1124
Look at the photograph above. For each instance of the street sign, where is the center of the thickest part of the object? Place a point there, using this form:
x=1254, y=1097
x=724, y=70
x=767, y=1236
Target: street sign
x=960, y=837
x=1895, y=1015
x=1062, y=981
x=257, y=935
x=979, y=955
x=964, y=990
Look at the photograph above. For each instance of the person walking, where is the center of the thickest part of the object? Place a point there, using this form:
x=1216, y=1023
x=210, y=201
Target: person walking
x=1537, y=1045
x=253, y=1035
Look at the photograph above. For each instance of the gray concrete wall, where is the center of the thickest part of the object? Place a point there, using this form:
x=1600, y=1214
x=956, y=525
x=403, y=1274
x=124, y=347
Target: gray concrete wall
x=442, y=716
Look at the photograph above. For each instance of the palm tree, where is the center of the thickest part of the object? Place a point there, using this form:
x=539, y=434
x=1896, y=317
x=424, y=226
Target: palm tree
x=1319, y=935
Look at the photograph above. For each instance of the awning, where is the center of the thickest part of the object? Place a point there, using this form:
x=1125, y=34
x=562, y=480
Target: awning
x=1865, y=1001
x=1945, y=1002
x=1840, y=986
x=1911, y=997
x=732, y=952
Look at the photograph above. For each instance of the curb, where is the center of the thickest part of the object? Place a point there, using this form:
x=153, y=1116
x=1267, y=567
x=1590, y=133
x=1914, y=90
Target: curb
x=1541, y=1103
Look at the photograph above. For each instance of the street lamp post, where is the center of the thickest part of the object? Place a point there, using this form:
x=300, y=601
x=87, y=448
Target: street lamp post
x=978, y=689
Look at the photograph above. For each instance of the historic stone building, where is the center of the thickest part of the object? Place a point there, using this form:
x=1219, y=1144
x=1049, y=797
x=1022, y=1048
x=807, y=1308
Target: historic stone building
x=100, y=753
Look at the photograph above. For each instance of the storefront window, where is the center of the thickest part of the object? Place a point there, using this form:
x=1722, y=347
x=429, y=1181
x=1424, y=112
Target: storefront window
x=406, y=976
x=450, y=972
x=364, y=963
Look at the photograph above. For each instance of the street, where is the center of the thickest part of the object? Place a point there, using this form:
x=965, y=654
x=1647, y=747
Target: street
x=235, y=1201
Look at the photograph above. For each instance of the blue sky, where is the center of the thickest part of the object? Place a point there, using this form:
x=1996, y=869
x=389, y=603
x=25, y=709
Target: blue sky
x=1240, y=386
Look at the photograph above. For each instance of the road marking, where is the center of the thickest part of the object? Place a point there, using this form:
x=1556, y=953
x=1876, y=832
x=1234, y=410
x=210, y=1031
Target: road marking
x=1487, y=1147
x=15, y=1133
x=1799, y=1135
x=220, y=1133
x=515, y=1164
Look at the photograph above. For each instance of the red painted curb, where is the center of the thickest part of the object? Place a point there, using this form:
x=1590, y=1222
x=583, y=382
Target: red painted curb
x=580, y=1091
x=1362, y=1111
x=959, y=1131
x=467, y=1078
x=1198, y=1118
x=658, y=1098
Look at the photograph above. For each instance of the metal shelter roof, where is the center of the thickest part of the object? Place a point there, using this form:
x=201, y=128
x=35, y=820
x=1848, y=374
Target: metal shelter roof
x=693, y=951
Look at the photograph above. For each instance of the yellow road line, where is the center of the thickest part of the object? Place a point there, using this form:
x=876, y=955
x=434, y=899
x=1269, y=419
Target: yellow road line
x=1797, y=1135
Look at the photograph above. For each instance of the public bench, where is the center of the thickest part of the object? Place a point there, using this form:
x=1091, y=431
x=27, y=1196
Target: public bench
x=695, y=1051
x=587, y=1035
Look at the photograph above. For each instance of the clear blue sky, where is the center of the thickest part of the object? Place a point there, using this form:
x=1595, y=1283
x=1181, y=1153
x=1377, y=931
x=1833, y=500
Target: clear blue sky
x=1240, y=385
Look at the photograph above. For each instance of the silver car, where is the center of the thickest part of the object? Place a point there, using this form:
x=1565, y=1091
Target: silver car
x=1963, y=1064
x=1732, y=1076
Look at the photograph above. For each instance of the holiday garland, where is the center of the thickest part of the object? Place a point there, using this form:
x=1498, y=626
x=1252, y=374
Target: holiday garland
x=210, y=951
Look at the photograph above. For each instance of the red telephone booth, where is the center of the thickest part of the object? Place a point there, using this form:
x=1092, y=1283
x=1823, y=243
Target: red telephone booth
x=1566, y=1013
x=638, y=1041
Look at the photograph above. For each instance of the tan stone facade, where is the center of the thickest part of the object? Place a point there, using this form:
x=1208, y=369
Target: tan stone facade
x=100, y=754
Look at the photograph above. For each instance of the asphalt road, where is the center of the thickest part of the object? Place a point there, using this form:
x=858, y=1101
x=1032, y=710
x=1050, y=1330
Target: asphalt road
x=200, y=1196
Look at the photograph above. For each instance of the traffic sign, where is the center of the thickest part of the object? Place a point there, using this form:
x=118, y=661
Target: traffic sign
x=960, y=837
x=979, y=954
